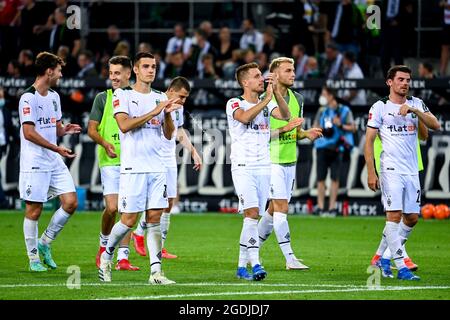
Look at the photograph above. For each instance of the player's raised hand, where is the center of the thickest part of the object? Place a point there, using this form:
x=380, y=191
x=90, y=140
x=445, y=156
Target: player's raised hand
x=197, y=160
x=173, y=107
x=72, y=128
x=274, y=80
x=163, y=104
x=404, y=110
x=294, y=123
x=372, y=181
x=110, y=150
x=269, y=91
x=314, y=133
x=66, y=152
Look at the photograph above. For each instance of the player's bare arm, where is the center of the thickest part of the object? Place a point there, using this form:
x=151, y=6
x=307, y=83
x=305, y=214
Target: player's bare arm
x=70, y=128
x=423, y=131
x=294, y=123
x=311, y=134
x=427, y=118
x=94, y=135
x=30, y=133
x=127, y=123
x=250, y=114
x=168, y=126
x=183, y=138
x=282, y=112
x=372, y=179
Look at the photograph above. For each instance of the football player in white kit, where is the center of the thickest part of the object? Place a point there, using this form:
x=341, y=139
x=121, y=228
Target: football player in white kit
x=143, y=115
x=179, y=88
x=43, y=173
x=248, y=122
x=283, y=153
x=396, y=120
x=103, y=129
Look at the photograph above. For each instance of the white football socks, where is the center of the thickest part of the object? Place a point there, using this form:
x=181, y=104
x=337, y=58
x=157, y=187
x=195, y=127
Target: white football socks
x=59, y=219
x=103, y=239
x=123, y=252
x=251, y=240
x=243, y=255
x=117, y=233
x=281, y=227
x=142, y=225
x=30, y=232
x=404, y=232
x=265, y=227
x=154, y=246
x=391, y=231
x=382, y=246
x=165, y=223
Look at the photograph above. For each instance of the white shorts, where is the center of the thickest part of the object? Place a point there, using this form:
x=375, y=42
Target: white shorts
x=400, y=192
x=43, y=186
x=282, y=179
x=252, y=187
x=110, y=176
x=172, y=183
x=142, y=191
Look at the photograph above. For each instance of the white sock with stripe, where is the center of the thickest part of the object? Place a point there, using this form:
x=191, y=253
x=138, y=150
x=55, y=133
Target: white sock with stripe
x=103, y=240
x=30, y=232
x=243, y=255
x=118, y=232
x=57, y=223
x=404, y=232
x=123, y=252
x=165, y=223
x=252, y=240
x=265, y=227
x=382, y=246
x=281, y=227
x=393, y=239
x=154, y=246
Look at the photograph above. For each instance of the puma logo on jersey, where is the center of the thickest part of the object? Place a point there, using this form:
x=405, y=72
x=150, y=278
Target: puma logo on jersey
x=391, y=114
x=135, y=102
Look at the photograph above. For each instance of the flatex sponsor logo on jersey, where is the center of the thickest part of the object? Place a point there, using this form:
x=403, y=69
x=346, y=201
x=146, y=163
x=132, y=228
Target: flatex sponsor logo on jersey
x=46, y=122
x=404, y=128
x=260, y=126
x=257, y=126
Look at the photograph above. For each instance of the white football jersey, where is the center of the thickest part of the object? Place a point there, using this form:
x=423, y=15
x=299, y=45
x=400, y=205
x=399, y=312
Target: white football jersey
x=169, y=146
x=141, y=149
x=43, y=112
x=249, y=142
x=398, y=134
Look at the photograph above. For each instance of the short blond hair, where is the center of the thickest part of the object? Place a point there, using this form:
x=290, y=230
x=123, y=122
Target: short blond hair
x=278, y=61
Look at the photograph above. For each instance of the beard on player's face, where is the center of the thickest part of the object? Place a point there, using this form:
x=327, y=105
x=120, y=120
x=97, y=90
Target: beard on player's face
x=402, y=91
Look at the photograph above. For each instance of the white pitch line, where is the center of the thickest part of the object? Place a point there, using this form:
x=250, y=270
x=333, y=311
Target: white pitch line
x=239, y=293
x=199, y=284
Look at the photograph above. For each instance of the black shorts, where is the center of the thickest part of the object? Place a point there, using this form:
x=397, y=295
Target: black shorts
x=327, y=158
x=445, y=36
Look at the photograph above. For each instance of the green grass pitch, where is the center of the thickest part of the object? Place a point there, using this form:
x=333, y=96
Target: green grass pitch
x=338, y=251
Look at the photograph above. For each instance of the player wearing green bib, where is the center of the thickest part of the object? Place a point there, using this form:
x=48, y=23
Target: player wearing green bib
x=103, y=129
x=283, y=155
